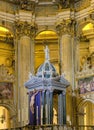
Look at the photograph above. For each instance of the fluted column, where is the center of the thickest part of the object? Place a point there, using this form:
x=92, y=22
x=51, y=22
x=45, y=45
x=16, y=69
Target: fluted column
x=64, y=29
x=25, y=35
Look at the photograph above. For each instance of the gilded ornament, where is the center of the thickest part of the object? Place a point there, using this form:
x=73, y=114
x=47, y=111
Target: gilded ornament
x=8, y=62
x=25, y=28
x=63, y=26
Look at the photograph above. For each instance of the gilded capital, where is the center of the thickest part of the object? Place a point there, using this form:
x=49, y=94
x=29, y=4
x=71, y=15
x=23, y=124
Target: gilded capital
x=63, y=27
x=25, y=28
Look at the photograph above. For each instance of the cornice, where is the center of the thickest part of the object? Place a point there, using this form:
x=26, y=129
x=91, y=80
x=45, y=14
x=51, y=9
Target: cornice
x=24, y=15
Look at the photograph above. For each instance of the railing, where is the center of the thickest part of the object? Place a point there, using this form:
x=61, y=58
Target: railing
x=54, y=127
x=83, y=127
x=61, y=127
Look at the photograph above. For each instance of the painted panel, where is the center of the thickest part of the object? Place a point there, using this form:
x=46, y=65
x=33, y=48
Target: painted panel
x=6, y=90
x=86, y=85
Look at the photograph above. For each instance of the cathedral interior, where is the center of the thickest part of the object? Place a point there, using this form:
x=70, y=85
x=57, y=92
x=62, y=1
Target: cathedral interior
x=66, y=28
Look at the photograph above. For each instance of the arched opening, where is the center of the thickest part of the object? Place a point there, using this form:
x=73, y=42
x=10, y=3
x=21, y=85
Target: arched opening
x=7, y=49
x=7, y=70
x=86, y=113
x=86, y=47
x=4, y=118
x=87, y=27
x=50, y=39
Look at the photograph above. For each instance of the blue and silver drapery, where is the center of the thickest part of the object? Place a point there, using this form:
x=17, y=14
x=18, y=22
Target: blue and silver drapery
x=41, y=107
x=34, y=107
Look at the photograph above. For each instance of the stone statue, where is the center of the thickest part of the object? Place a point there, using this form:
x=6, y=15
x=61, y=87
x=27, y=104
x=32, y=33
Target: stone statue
x=46, y=50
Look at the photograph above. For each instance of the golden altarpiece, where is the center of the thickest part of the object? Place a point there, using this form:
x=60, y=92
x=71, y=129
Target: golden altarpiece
x=67, y=28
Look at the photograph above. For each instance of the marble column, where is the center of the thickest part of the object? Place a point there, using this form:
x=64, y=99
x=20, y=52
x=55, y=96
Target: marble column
x=47, y=105
x=60, y=109
x=64, y=31
x=43, y=99
x=64, y=107
x=51, y=107
x=24, y=34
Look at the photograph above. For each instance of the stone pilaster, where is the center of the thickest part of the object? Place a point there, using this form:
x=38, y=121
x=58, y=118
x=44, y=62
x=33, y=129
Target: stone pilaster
x=64, y=30
x=25, y=33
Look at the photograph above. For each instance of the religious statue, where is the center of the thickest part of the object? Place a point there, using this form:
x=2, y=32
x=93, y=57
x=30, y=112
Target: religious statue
x=46, y=53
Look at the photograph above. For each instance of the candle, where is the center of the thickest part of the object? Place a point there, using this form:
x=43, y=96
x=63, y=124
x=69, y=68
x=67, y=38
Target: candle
x=41, y=114
x=41, y=111
x=46, y=111
x=36, y=112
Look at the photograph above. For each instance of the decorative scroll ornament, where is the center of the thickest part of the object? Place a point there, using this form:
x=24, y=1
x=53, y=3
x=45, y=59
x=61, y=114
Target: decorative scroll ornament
x=5, y=76
x=63, y=27
x=24, y=28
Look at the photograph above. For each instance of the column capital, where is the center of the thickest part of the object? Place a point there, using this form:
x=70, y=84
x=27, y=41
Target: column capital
x=64, y=27
x=25, y=28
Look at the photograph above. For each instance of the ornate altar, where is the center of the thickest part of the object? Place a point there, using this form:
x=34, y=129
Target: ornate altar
x=47, y=95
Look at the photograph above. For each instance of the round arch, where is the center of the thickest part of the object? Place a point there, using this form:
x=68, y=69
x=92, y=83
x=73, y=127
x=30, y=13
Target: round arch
x=85, y=108
x=8, y=26
x=47, y=37
x=81, y=25
x=11, y=108
x=46, y=33
x=83, y=102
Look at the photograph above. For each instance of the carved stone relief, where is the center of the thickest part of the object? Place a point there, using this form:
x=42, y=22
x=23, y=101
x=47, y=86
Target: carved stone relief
x=64, y=27
x=4, y=75
x=24, y=28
